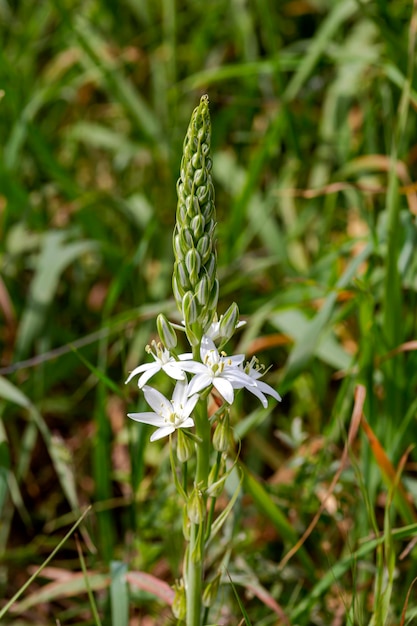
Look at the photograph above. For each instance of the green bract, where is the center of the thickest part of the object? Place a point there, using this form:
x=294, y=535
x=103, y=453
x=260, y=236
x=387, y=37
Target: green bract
x=195, y=283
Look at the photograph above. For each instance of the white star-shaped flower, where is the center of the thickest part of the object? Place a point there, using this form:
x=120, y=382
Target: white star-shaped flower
x=219, y=370
x=163, y=361
x=167, y=415
x=260, y=388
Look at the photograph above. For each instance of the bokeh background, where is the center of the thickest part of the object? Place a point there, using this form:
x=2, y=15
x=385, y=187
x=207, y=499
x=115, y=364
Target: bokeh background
x=313, y=106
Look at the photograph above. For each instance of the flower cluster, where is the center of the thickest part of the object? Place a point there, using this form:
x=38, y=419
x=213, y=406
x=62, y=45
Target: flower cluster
x=195, y=288
x=215, y=370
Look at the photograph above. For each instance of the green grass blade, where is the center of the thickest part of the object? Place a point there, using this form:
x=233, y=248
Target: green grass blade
x=306, y=346
x=119, y=594
x=55, y=256
x=268, y=508
x=337, y=570
x=86, y=576
x=240, y=603
x=340, y=12
x=22, y=589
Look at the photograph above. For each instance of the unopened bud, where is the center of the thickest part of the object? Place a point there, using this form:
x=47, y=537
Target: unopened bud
x=195, y=507
x=179, y=604
x=216, y=486
x=185, y=447
x=204, y=248
x=166, y=332
x=189, y=309
x=193, y=264
x=228, y=322
x=210, y=592
x=202, y=291
x=221, y=436
x=181, y=275
x=197, y=225
x=214, y=296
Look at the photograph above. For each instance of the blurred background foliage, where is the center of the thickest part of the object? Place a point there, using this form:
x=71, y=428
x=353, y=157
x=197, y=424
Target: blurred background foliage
x=313, y=137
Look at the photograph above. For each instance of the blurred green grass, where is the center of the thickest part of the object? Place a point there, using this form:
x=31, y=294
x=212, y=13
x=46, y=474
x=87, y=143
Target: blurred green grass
x=313, y=115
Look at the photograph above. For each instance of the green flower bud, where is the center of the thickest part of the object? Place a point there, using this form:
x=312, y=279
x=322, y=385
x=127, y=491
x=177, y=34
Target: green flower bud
x=216, y=487
x=203, y=194
x=186, y=240
x=228, y=322
x=177, y=247
x=221, y=436
x=193, y=206
x=179, y=604
x=214, y=296
x=195, y=507
x=211, y=590
x=210, y=267
x=189, y=308
x=185, y=447
x=204, y=248
x=200, y=177
x=183, y=276
x=193, y=265
x=166, y=332
x=175, y=289
x=197, y=225
x=203, y=290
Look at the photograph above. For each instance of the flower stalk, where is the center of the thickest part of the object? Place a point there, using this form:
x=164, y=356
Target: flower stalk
x=203, y=374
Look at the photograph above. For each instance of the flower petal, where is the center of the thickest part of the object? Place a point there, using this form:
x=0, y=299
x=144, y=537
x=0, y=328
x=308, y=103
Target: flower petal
x=179, y=395
x=139, y=370
x=267, y=389
x=238, y=378
x=193, y=366
x=158, y=402
x=173, y=370
x=162, y=432
x=147, y=418
x=224, y=387
x=199, y=382
x=187, y=423
x=207, y=346
x=190, y=404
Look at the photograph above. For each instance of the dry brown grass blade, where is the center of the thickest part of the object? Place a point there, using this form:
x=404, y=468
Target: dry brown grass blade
x=360, y=394
x=267, y=341
x=407, y=346
x=406, y=602
x=387, y=468
x=377, y=162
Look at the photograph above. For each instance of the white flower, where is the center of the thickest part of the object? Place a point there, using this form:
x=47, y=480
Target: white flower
x=167, y=416
x=219, y=370
x=163, y=361
x=260, y=388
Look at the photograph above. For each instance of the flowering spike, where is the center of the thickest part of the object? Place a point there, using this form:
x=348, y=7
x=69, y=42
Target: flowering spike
x=193, y=244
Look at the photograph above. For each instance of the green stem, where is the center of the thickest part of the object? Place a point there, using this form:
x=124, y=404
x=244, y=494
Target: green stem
x=213, y=499
x=194, y=573
x=194, y=577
